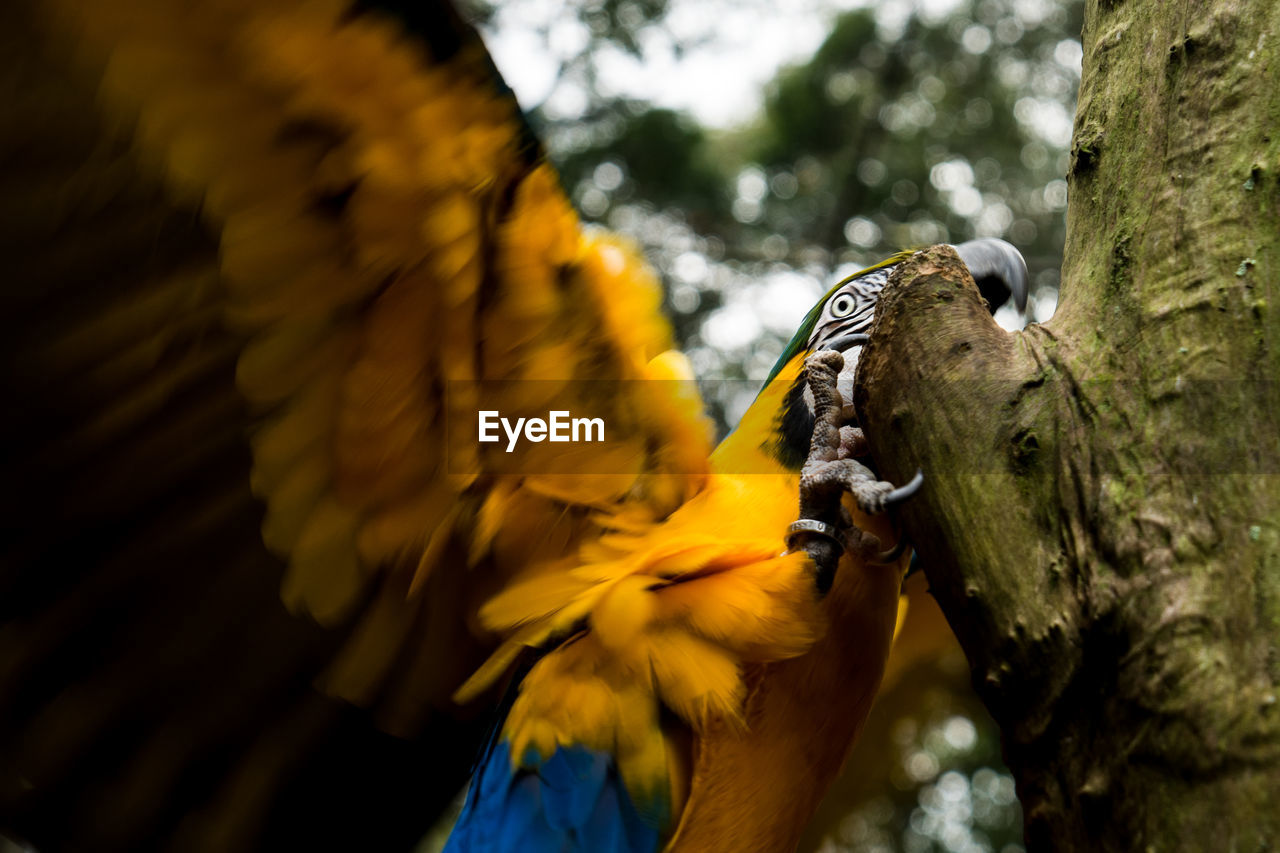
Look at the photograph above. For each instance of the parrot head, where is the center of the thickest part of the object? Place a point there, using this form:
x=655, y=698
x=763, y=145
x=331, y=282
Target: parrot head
x=842, y=319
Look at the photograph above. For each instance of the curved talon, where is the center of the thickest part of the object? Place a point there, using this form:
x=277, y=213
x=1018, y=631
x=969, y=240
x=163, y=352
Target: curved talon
x=901, y=493
x=845, y=341
x=884, y=558
x=896, y=496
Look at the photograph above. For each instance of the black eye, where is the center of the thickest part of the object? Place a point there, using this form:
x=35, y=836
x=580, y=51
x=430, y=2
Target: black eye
x=842, y=305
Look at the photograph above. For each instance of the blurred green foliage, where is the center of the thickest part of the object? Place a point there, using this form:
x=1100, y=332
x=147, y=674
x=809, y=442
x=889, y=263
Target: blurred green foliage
x=930, y=772
x=899, y=131
x=662, y=158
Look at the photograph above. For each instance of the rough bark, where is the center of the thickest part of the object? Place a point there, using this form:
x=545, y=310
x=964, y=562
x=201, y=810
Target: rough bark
x=1101, y=516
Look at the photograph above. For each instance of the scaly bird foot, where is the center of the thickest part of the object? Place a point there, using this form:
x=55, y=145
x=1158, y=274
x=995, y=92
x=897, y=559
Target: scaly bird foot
x=825, y=530
x=853, y=442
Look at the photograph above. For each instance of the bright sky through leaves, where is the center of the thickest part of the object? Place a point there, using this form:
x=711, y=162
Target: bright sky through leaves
x=737, y=48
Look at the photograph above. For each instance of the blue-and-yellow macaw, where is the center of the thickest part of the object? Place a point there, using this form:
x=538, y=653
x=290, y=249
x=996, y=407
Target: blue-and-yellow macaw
x=327, y=229
x=693, y=689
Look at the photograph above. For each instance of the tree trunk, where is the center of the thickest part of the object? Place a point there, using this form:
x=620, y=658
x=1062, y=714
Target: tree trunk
x=1101, y=514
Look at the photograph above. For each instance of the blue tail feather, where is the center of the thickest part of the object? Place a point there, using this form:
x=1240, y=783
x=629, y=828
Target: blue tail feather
x=573, y=779
x=572, y=802
x=606, y=829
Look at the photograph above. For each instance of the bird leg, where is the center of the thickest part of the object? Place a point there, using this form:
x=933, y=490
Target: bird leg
x=852, y=442
x=825, y=529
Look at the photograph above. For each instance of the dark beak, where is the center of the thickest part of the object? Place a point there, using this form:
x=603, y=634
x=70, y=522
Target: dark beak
x=999, y=271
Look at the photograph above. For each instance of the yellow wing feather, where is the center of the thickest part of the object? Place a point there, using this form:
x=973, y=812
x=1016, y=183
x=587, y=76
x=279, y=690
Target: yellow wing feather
x=396, y=257
x=359, y=318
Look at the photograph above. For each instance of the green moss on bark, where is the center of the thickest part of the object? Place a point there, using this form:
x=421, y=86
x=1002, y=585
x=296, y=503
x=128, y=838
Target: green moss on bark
x=1101, y=522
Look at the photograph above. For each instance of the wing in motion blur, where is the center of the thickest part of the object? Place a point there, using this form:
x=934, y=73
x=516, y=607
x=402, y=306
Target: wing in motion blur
x=274, y=222
x=255, y=592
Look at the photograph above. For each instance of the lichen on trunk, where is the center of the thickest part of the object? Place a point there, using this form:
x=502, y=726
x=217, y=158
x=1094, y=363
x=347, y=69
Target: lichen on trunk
x=1101, y=515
